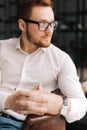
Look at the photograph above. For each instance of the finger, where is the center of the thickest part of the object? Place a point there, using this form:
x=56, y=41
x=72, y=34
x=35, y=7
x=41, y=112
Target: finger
x=30, y=107
x=28, y=104
x=46, y=91
x=38, y=97
x=34, y=110
x=23, y=92
x=38, y=87
x=35, y=96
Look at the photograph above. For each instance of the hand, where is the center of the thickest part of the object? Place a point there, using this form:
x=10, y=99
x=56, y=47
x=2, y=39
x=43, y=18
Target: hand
x=54, y=103
x=27, y=102
x=37, y=101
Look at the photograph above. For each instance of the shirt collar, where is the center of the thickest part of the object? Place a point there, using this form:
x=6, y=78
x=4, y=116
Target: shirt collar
x=43, y=49
x=17, y=46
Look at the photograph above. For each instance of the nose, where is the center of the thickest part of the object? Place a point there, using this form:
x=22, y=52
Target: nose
x=49, y=29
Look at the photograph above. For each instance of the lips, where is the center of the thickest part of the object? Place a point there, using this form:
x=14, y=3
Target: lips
x=48, y=36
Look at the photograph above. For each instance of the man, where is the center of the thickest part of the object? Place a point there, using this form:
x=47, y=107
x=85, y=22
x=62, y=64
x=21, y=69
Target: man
x=31, y=67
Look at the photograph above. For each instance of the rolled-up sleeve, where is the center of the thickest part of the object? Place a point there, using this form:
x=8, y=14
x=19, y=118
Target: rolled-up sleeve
x=3, y=94
x=70, y=86
x=3, y=97
x=78, y=109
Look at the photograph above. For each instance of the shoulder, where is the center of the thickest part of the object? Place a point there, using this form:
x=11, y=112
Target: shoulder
x=8, y=41
x=57, y=52
x=59, y=56
x=8, y=45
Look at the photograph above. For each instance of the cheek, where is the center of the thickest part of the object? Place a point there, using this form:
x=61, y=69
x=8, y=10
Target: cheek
x=33, y=29
x=36, y=34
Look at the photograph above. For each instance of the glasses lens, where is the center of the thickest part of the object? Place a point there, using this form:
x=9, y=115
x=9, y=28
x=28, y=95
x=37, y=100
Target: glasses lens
x=54, y=25
x=42, y=26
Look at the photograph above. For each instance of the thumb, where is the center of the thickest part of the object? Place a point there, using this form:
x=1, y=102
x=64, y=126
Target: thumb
x=38, y=87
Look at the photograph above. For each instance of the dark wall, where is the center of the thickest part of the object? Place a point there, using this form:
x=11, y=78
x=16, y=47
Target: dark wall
x=71, y=35
x=8, y=17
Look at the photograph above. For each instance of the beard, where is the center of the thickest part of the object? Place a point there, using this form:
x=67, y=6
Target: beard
x=43, y=42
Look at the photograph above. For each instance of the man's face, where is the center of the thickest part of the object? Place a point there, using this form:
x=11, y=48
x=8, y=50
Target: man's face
x=33, y=34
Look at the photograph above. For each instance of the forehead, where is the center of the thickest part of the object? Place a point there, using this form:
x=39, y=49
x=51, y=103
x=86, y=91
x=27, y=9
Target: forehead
x=42, y=13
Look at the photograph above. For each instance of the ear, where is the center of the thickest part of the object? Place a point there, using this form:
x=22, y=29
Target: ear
x=22, y=25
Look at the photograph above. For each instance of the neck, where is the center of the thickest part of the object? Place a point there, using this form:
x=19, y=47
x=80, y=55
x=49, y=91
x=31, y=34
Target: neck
x=27, y=47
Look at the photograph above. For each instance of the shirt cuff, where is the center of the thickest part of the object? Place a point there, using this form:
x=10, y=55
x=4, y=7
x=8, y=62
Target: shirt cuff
x=3, y=97
x=77, y=109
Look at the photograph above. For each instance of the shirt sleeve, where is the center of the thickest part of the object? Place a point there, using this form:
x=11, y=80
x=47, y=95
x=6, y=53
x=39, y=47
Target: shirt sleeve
x=70, y=86
x=3, y=97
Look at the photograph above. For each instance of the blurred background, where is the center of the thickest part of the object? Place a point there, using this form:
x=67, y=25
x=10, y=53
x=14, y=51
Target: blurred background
x=70, y=36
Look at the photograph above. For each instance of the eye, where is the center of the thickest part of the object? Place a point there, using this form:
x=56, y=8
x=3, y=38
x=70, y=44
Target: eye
x=43, y=24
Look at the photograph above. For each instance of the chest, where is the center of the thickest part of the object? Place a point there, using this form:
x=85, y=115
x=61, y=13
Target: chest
x=30, y=69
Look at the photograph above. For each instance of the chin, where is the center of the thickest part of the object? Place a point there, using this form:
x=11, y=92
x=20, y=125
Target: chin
x=42, y=44
x=46, y=45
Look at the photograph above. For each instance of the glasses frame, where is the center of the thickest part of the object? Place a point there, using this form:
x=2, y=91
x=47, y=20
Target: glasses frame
x=53, y=24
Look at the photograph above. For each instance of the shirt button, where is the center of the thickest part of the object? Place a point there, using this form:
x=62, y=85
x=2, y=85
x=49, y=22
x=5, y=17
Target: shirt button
x=14, y=88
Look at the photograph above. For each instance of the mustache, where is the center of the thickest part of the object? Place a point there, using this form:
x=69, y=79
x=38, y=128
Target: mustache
x=47, y=35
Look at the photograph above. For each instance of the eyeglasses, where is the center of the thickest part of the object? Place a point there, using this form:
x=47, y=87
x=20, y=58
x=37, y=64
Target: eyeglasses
x=42, y=26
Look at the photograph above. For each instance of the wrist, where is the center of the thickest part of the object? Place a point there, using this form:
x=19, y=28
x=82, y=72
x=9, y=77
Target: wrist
x=65, y=107
x=7, y=106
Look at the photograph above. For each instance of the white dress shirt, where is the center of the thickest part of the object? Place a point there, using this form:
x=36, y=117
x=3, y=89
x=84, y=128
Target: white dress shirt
x=49, y=66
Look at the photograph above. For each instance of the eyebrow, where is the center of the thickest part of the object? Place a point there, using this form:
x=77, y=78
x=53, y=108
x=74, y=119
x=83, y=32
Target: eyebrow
x=46, y=21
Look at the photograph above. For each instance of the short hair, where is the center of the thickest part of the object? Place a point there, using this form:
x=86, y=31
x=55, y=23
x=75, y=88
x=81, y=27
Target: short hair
x=25, y=6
